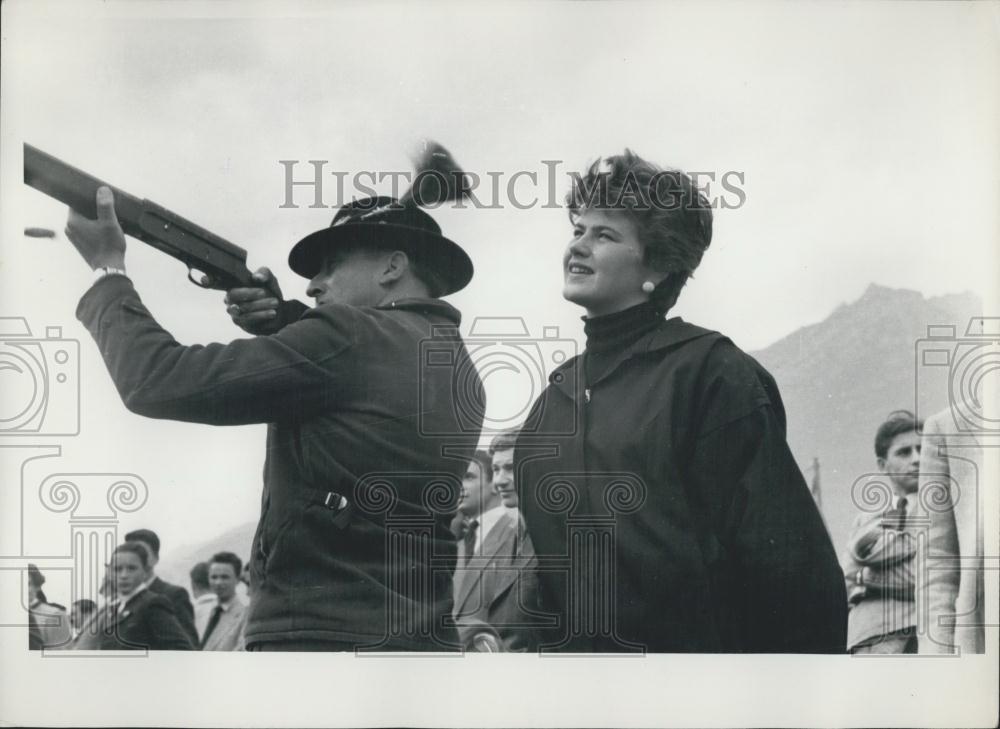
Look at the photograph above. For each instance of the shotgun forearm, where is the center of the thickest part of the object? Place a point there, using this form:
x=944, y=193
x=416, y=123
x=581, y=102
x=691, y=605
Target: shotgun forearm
x=189, y=243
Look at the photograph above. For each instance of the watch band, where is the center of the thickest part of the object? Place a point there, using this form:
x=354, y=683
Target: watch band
x=103, y=271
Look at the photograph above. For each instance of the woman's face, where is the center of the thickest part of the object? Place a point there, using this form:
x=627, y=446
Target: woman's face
x=603, y=269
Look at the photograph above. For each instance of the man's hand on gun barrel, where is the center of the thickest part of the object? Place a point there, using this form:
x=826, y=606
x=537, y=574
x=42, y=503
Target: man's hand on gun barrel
x=101, y=242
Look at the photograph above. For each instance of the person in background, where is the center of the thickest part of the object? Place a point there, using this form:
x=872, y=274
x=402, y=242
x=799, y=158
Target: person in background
x=49, y=618
x=878, y=563
x=496, y=584
x=137, y=618
x=952, y=464
x=80, y=613
x=177, y=596
x=228, y=619
x=668, y=444
x=204, y=598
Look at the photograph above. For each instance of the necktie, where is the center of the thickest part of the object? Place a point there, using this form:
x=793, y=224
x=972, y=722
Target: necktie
x=212, y=622
x=896, y=518
x=470, y=539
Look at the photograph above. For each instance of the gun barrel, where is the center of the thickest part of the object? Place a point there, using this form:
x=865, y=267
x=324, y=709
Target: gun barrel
x=188, y=242
x=76, y=188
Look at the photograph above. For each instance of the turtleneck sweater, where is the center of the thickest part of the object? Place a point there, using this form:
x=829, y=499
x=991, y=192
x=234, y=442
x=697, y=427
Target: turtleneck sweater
x=609, y=334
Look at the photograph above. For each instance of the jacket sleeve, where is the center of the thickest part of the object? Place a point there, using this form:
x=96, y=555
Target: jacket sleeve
x=850, y=565
x=298, y=372
x=937, y=583
x=165, y=630
x=880, y=548
x=779, y=587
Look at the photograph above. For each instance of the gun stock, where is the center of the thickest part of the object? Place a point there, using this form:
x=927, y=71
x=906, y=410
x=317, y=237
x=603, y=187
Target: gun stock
x=195, y=247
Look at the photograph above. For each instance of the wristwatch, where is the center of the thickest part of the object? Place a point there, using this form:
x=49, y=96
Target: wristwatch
x=103, y=271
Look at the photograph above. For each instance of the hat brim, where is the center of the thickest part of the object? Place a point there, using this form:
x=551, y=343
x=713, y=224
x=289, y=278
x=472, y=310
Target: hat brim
x=444, y=256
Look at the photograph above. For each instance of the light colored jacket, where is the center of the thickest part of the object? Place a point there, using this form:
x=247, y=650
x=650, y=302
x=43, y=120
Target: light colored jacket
x=887, y=552
x=497, y=590
x=951, y=470
x=53, y=625
x=228, y=634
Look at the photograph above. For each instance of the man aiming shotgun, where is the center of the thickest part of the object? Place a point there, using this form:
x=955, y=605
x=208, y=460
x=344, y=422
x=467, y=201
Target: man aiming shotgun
x=344, y=395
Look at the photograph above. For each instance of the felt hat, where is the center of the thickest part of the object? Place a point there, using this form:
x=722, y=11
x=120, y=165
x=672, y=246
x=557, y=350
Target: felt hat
x=382, y=222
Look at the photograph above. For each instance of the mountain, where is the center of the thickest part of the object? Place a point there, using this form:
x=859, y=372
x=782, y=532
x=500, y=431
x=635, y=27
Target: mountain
x=839, y=379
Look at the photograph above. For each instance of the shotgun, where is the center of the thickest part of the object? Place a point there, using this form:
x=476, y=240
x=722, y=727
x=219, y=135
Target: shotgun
x=195, y=247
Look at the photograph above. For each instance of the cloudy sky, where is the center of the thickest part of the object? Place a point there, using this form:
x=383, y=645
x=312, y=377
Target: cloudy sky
x=864, y=134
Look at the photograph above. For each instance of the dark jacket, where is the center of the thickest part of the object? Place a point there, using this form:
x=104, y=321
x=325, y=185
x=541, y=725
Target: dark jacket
x=147, y=621
x=674, y=478
x=179, y=600
x=359, y=405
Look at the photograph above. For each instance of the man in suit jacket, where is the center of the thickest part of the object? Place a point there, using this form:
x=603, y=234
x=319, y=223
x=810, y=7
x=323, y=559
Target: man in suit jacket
x=224, y=631
x=879, y=560
x=176, y=596
x=951, y=470
x=137, y=618
x=496, y=588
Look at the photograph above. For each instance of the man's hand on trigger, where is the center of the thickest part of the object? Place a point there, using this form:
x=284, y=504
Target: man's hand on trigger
x=254, y=309
x=101, y=242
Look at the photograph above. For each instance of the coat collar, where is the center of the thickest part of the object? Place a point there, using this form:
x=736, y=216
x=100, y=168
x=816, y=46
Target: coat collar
x=433, y=307
x=131, y=603
x=569, y=379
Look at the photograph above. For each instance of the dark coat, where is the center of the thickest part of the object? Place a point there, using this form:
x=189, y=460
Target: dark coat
x=360, y=408
x=704, y=532
x=146, y=622
x=179, y=600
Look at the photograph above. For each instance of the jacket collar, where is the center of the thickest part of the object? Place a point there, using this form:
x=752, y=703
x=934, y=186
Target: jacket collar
x=432, y=307
x=568, y=377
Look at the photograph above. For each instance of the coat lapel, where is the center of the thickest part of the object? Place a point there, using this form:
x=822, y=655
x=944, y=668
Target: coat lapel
x=522, y=553
x=468, y=578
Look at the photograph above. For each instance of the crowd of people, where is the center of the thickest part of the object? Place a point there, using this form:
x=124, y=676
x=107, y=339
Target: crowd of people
x=139, y=610
x=649, y=502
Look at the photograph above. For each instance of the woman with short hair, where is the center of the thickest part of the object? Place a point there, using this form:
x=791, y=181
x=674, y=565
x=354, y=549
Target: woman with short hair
x=655, y=478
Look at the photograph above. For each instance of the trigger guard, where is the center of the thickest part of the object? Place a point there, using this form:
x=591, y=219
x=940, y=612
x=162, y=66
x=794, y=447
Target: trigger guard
x=191, y=278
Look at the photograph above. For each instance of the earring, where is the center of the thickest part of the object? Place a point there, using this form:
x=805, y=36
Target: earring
x=648, y=287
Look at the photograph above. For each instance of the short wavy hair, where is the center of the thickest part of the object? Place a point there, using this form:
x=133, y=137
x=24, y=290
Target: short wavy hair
x=897, y=423
x=227, y=558
x=505, y=440
x=138, y=548
x=673, y=218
